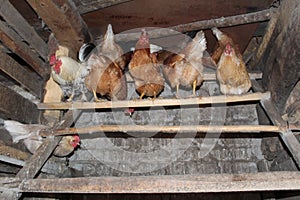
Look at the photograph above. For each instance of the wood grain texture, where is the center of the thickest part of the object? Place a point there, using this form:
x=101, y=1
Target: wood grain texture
x=64, y=21
x=21, y=75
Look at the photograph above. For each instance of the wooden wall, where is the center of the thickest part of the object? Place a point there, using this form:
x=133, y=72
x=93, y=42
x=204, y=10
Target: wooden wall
x=281, y=60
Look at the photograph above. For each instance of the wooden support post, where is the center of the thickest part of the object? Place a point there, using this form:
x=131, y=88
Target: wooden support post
x=23, y=28
x=64, y=21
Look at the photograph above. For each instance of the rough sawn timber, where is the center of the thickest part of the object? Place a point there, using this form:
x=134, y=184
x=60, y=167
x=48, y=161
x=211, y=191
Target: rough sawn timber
x=263, y=181
x=64, y=21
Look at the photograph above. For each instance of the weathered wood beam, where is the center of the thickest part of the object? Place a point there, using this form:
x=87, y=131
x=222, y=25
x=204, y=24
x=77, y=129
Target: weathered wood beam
x=165, y=129
x=23, y=28
x=264, y=43
x=155, y=103
x=85, y=8
x=64, y=21
x=12, y=152
x=14, y=42
x=21, y=75
x=263, y=181
x=259, y=16
x=14, y=106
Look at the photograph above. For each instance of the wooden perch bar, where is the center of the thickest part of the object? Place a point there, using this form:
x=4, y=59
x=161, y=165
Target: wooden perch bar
x=156, y=103
x=262, y=181
x=200, y=25
x=165, y=129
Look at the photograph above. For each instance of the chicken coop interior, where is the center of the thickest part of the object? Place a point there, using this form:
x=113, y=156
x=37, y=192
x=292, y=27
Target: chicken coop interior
x=136, y=99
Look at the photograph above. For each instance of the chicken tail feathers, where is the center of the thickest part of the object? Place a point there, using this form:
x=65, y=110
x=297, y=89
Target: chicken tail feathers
x=109, y=33
x=85, y=51
x=17, y=130
x=200, y=38
x=217, y=33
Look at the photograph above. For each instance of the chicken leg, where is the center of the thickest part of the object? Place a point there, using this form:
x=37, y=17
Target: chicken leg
x=177, y=91
x=194, y=87
x=95, y=96
x=142, y=95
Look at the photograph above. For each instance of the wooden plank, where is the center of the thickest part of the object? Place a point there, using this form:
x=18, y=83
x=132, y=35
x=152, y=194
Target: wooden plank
x=64, y=21
x=12, y=152
x=21, y=75
x=165, y=129
x=155, y=103
x=85, y=8
x=259, y=16
x=265, y=41
x=262, y=181
x=16, y=107
x=23, y=28
x=14, y=42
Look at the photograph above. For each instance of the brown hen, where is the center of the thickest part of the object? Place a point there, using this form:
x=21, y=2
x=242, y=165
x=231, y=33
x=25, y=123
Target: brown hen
x=145, y=70
x=105, y=78
x=231, y=72
x=186, y=68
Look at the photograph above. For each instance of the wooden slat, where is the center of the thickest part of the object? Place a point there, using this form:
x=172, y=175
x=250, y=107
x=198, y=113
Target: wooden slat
x=266, y=39
x=64, y=21
x=205, y=24
x=14, y=42
x=165, y=129
x=21, y=75
x=24, y=29
x=263, y=181
x=85, y=8
x=12, y=152
x=155, y=103
x=14, y=106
